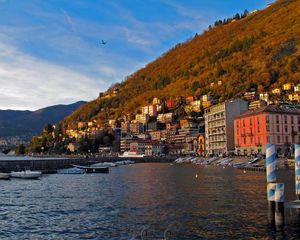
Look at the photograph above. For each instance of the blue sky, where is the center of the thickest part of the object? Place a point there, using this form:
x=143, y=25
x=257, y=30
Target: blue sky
x=51, y=51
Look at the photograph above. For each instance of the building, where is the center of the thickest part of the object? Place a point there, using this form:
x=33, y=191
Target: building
x=264, y=97
x=156, y=135
x=278, y=125
x=154, y=149
x=297, y=88
x=171, y=103
x=287, y=87
x=276, y=91
x=155, y=126
x=142, y=118
x=294, y=97
x=256, y=104
x=189, y=99
x=151, y=110
x=250, y=96
x=196, y=105
x=200, y=144
x=165, y=117
x=136, y=127
x=125, y=127
x=219, y=134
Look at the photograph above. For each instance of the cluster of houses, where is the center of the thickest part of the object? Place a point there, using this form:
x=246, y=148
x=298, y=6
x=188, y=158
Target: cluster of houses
x=238, y=126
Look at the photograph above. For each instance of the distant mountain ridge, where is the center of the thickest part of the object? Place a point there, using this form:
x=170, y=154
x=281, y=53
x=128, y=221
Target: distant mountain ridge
x=26, y=124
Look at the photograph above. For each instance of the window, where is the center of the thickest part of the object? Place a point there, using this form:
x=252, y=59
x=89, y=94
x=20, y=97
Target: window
x=286, y=128
x=243, y=122
x=250, y=121
x=268, y=139
x=292, y=119
x=267, y=119
x=257, y=120
x=251, y=140
x=298, y=119
x=258, y=128
x=277, y=119
x=268, y=128
x=285, y=119
x=286, y=139
x=244, y=140
x=278, y=139
x=277, y=127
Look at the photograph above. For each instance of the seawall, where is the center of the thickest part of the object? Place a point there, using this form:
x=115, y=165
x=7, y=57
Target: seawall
x=51, y=165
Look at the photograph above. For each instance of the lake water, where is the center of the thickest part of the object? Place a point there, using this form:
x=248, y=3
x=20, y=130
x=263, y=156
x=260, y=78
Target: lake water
x=142, y=198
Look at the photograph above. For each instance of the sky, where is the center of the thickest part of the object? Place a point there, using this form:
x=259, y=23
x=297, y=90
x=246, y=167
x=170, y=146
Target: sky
x=51, y=51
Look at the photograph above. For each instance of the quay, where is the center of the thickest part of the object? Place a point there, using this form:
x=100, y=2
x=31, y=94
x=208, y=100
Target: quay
x=51, y=165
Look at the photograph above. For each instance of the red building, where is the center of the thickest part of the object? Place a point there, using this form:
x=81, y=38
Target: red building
x=278, y=125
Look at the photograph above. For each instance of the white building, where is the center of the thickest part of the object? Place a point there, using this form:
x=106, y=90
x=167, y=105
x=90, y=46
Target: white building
x=219, y=126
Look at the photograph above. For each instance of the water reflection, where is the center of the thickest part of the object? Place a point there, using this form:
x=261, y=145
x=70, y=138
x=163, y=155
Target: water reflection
x=219, y=204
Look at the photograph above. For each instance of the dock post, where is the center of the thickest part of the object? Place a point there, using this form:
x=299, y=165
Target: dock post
x=279, y=205
x=271, y=179
x=297, y=170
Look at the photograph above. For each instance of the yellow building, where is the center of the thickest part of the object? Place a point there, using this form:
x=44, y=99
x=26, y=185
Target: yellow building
x=276, y=91
x=287, y=86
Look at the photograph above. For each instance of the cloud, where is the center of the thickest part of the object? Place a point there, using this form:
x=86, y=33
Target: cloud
x=30, y=83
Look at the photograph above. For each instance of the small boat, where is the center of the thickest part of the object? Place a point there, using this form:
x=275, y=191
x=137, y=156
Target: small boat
x=104, y=164
x=90, y=169
x=73, y=170
x=4, y=176
x=27, y=174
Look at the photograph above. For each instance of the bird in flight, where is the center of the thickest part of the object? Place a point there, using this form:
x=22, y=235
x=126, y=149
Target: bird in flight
x=103, y=42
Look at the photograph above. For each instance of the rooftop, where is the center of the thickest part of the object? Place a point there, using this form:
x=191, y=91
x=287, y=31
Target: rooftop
x=283, y=109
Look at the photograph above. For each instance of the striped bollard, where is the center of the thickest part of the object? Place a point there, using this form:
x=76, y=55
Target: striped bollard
x=279, y=205
x=297, y=170
x=271, y=179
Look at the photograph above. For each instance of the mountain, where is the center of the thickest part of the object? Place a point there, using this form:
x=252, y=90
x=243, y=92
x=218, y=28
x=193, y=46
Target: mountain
x=261, y=51
x=26, y=124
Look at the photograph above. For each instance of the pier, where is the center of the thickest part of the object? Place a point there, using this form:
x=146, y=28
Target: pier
x=50, y=165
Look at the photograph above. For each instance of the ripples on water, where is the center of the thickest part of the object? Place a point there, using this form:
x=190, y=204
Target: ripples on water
x=148, y=198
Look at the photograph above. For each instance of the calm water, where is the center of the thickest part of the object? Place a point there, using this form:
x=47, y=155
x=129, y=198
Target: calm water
x=219, y=204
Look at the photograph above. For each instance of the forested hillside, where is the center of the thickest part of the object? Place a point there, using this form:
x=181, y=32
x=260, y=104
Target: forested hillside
x=261, y=51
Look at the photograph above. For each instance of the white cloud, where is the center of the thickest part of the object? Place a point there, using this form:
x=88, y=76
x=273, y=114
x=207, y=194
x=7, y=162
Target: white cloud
x=30, y=83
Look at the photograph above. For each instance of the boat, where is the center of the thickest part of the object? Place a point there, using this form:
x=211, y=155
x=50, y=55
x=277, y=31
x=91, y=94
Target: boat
x=131, y=154
x=73, y=170
x=90, y=169
x=104, y=164
x=27, y=174
x=4, y=176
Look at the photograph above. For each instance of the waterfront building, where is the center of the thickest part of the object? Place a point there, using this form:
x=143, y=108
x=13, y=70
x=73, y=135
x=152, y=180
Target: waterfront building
x=200, y=144
x=297, y=88
x=125, y=143
x=278, y=125
x=154, y=149
x=219, y=134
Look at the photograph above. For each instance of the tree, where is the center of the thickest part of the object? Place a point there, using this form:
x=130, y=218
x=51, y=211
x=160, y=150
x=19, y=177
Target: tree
x=20, y=150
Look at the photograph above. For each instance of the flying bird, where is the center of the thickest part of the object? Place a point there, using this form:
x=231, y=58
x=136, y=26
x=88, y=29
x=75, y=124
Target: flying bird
x=103, y=42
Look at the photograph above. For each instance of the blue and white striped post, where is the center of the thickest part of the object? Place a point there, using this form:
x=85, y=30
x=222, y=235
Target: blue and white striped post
x=297, y=170
x=271, y=179
x=279, y=204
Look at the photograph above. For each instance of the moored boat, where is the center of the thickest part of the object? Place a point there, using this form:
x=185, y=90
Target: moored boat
x=27, y=174
x=104, y=164
x=90, y=169
x=4, y=176
x=73, y=170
